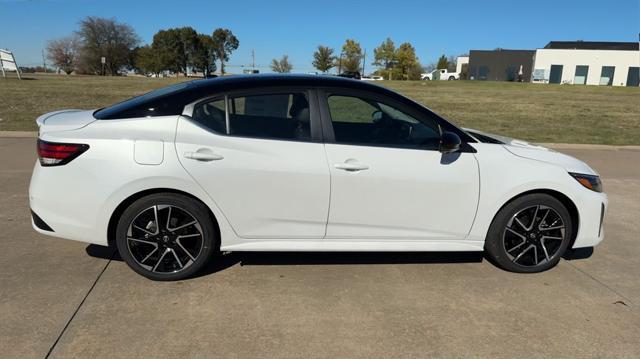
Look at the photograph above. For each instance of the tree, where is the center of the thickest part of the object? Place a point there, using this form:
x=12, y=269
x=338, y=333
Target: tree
x=351, y=56
x=282, y=66
x=168, y=50
x=176, y=48
x=384, y=55
x=148, y=60
x=224, y=43
x=443, y=63
x=64, y=52
x=105, y=38
x=188, y=39
x=204, y=56
x=323, y=58
x=406, y=59
x=430, y=67
x=452, y=62
x=415, y=71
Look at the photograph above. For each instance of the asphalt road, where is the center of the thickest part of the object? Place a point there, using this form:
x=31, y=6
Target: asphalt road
x=71, y=300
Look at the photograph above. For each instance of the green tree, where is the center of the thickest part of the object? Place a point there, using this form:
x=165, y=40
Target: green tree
x=204, y=55
x=406, y=59
x=351, y=56
x=224, y=43
x=384, y=56
x=176, y=48
x=281, y=66
x=443, y=63
x=323, y=58
x=147, y=61
x=167, y=47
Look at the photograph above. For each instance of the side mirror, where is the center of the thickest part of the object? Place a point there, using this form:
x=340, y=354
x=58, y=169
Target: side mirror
x=376, y=116
x=449, y=142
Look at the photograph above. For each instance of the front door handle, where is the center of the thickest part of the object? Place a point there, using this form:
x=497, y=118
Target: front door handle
x=203, y=154
x=351, y=166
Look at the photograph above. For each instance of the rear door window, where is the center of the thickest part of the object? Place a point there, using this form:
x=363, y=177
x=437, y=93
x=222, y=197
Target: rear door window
x=282, y=116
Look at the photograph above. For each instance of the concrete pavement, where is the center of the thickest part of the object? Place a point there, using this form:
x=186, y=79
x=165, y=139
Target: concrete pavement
x=71, y=299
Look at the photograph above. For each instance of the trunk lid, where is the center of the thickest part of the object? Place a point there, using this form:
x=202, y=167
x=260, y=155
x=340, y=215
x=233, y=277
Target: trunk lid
x=64, y=120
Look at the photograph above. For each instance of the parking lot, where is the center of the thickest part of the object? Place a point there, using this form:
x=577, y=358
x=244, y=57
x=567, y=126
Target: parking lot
x=73, y=300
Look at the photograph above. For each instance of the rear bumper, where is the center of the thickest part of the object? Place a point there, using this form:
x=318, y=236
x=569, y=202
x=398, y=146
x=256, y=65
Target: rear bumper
x=64, y=204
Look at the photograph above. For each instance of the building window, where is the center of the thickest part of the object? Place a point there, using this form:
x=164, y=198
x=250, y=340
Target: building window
x=483, y=73
x=633, y=78
x=606, y=76
x=581, y=75
x=555, y=77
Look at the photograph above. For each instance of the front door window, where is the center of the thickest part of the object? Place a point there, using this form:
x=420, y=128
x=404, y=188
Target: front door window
x=361, y=121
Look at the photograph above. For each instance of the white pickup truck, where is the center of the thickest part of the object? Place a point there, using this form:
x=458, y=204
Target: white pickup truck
x=441, y=74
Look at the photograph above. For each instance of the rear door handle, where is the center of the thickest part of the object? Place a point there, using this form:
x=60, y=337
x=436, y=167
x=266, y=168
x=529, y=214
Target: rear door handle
x=203, y=154
x=351, y=166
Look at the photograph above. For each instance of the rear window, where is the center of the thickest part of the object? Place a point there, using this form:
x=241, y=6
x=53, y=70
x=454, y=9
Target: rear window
x=166, y=101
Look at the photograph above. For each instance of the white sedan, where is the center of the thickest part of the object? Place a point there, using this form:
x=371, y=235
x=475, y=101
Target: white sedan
x=301, y=163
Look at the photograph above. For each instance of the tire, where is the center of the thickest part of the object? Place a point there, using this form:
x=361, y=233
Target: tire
x=451, y=78
x=517, y=244
x=178, y=248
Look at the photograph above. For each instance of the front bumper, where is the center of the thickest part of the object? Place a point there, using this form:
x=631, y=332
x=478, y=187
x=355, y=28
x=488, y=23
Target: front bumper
x=592, y=209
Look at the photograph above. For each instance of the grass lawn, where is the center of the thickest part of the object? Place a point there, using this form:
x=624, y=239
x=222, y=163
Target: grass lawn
x=534, y=112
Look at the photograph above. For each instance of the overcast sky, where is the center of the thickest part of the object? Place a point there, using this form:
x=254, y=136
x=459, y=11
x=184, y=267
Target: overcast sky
x=296, y=28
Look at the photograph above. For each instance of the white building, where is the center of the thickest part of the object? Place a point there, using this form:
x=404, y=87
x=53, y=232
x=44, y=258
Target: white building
x=588, y=62
x=460, y=61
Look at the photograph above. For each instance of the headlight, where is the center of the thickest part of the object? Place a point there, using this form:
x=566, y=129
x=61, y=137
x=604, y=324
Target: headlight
x=589, y=181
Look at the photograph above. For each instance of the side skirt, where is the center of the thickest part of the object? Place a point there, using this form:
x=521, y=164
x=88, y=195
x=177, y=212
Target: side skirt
x=349, y=245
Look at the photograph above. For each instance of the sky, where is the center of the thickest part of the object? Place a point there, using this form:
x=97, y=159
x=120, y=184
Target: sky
x=272, y=28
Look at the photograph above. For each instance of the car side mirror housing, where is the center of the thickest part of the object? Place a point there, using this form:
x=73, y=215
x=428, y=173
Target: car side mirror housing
x=449, y=142
x=376, y=116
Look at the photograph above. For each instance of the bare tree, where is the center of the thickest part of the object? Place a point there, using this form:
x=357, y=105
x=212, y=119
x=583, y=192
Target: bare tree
x=282, y=66
x=109, y=39
x=64, y=52
x=453, y=62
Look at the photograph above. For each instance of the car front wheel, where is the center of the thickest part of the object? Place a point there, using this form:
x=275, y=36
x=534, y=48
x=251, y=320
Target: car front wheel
x=166, y=236
x=530, y=234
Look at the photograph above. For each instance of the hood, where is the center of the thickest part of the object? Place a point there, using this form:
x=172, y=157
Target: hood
x=534, y=152
x=64, y=120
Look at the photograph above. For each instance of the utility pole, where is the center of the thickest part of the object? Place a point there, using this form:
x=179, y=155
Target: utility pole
x=44, y=62
x=253, y=60
x=364, y=61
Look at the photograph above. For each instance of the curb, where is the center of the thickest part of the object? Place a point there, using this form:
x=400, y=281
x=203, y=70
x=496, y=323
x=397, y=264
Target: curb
x=555, y=146
x=19, y=134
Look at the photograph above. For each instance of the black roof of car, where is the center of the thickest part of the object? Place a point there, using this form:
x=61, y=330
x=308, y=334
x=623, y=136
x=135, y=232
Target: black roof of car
x=171, y=100
x=258, y=80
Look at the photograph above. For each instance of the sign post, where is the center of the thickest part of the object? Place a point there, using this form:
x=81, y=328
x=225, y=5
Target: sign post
x=103, y=60
x=8, y=62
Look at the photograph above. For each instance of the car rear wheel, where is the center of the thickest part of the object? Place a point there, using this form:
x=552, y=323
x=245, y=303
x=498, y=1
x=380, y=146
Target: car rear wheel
x=530, y=234
x=166, y=236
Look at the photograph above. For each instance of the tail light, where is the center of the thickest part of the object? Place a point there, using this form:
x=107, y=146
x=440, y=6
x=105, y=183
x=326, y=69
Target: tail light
x=57, y=154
